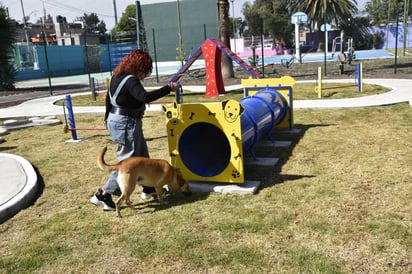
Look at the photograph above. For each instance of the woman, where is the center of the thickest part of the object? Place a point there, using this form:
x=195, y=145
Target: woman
x=125, y=106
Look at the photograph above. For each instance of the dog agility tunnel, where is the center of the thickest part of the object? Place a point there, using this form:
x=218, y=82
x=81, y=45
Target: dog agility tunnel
x=208, y=141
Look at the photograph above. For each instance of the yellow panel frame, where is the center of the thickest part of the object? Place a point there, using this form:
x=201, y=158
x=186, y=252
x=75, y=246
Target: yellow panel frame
x=180, y=116
x=284, y=85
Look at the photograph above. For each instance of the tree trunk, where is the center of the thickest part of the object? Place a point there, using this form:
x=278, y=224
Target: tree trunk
x=224, y=33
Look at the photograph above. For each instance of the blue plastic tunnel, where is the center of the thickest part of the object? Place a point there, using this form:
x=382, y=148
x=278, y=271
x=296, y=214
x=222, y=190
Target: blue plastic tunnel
x=204, y=147
x=263, y=111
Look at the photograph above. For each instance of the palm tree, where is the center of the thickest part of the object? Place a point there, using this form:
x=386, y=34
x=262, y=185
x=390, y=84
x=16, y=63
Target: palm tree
x=224, y=33
x=7, y=34
x=332, y=11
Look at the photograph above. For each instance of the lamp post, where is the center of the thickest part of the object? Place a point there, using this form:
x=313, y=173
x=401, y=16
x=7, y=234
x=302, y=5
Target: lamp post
x=24, y=23
x=139, y=42
x=179, y=25
x=234, y=22
x=405, y=25
x=43, y=33
x=115, y=12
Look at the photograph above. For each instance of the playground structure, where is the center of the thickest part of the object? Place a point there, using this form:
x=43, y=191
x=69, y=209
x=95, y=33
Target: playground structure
x=343, y=57
x=210, y=142
x=339, y=42
x=358, y=78
x=212, y=50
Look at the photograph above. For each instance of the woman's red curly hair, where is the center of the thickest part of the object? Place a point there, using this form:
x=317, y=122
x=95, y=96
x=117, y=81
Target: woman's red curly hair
x=138, y=61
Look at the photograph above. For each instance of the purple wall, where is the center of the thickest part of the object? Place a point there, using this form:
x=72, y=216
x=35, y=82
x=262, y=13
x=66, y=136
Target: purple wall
x=388, y=34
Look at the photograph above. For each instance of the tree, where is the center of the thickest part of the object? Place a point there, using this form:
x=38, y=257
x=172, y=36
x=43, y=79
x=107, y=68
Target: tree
x=224, y=33
x=266, y=16
x=128, y=24
x=385, y=11
x=333, y=11
x=378, y=11
x=357, y=28
x=7, y=34
x=128, y=20
x=93, y=23
x=253, y=17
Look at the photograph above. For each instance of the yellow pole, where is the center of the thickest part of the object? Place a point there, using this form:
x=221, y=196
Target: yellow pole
x=319, y=82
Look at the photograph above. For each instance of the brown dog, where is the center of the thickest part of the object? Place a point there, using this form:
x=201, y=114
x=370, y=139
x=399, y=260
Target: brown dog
x=145, y=171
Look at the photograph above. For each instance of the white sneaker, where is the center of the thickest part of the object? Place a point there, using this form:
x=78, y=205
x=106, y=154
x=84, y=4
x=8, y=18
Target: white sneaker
x=104, y=200
x=148, y=197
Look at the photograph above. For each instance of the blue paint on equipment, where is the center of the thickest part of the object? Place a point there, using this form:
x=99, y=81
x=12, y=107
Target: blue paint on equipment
x=204, y=147
x=263, y=111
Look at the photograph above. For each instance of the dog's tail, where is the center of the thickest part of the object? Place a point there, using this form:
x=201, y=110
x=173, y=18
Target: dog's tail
x=102, y=164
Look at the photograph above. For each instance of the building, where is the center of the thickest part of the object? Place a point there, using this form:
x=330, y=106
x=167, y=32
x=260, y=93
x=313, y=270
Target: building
x=198, y=21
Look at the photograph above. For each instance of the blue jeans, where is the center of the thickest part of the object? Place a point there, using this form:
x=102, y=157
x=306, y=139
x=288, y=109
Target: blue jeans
x=127, y=133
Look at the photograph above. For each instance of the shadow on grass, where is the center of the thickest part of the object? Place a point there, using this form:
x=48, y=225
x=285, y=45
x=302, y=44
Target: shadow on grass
x=156, y=138
x=7, y=148
x=79, y=137
x=171, y=199
x=399, y=65
x=330, y=94
x=271, y=175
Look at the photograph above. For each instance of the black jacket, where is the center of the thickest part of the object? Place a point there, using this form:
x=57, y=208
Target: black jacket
x=133, y=95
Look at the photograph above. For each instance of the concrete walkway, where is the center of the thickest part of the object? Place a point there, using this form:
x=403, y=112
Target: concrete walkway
x=401, y=91
x=18, y=180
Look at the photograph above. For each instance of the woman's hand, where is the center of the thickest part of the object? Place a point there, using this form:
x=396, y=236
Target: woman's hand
x=174, y=86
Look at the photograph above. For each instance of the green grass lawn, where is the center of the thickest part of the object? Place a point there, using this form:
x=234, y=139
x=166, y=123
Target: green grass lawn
x=339, y=201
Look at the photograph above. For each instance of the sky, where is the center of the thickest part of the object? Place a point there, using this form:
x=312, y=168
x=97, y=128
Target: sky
x=76, y=8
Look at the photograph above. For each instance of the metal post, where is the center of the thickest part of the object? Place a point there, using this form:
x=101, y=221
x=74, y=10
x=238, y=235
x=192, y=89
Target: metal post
x=47, y=62
x=324, y=52
x=405, y=25
x=138, y=25
x=341, y=54
x=204, y=32
x=234, y=27
x=297, y=23
x=155, y=54
x=115, y=11
x=71, y=117
x=297, y=47
x=253, y=61
x=396, y=41
x=262, y=41
x=87, y=59
x=25, y=25
x=180, y=33
x=109, y=54
x=93, y=89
